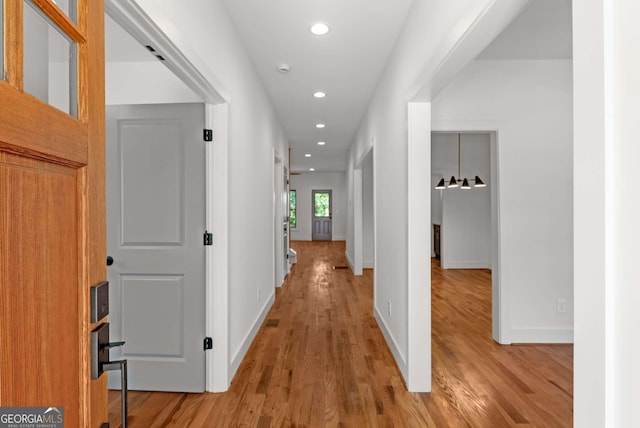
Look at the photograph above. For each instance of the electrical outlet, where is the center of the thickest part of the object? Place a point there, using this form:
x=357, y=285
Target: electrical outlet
x=561, y=306
x=389, y=308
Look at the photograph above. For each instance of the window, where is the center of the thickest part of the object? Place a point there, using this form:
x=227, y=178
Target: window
x=50, y=61
x=321, y=204
x=292, y=209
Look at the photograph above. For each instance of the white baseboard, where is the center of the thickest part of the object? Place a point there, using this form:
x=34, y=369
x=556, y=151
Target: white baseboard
x=541, y=335
x=367, y=264
x=300, y=237
x=251, y=334
x=465, y=264
x=350, y=261
x=297, y=237
x=401, y=361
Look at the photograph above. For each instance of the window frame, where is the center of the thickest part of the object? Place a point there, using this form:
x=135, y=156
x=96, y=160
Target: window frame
x=293, y=209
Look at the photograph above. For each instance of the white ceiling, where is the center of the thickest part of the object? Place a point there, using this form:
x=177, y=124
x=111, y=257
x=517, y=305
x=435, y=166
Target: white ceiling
x=541, y=31
x=348, y=62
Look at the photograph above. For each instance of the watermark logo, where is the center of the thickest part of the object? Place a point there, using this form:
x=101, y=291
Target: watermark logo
x=31, y=417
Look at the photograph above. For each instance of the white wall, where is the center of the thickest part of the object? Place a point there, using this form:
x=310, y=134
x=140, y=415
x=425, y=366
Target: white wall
x=303, y=184
x=206, y=35
x=144, y=83
x=465, y=215
x=530, y=104
x=607, y=273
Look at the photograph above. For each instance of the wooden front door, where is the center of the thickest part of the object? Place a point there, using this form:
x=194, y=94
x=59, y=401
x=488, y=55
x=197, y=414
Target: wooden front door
x=52, y=219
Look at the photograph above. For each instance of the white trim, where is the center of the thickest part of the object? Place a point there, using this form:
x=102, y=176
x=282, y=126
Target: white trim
x=399, y=357
x=541, y=335
x=358, y=213
x=279, y=273
x=219, y=378
x=209, y=118
x=374, y=159
x=466, y=264
x=357, y=221
x=251, y=334
x=418, y=252
x=351, y=264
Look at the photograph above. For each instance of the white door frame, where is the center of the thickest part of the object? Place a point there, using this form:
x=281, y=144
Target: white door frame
x=358, y=213
x=279, y=270
x=313, y=215
x=136, y=22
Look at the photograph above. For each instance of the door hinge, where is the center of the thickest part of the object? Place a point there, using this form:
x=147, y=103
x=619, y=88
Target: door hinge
x=208, y=135
x=208, y=343
x=208, y=238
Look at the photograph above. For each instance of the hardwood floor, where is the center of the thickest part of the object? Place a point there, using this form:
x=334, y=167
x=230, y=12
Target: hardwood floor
x=320, y=360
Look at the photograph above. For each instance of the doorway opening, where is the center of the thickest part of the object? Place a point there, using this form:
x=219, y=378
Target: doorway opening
x=363, y=215
x=464, y=222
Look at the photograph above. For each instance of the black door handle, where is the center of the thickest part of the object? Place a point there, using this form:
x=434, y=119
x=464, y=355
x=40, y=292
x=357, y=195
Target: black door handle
x=109, y=260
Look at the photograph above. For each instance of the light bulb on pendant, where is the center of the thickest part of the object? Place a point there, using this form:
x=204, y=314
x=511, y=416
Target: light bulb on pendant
x=441, y=184
x=453, y=182
x=465, y=184
x=479, y=183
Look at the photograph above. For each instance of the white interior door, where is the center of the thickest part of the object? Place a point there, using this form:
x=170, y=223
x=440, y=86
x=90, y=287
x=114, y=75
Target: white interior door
x=155, y=225
x=321, y=206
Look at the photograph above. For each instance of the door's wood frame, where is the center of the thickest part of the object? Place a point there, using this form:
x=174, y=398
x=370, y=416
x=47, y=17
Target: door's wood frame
x=202, y=82
x=33, y=129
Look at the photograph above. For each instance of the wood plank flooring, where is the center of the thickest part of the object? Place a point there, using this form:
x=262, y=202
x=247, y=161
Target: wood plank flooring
x=320, y=360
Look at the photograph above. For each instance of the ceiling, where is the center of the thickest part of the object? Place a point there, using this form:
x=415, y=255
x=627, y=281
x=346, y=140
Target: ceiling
x=347, y=62
x=541, y=31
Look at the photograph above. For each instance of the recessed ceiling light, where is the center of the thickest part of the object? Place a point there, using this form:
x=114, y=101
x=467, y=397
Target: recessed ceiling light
x=312, y=169
x=320, y=125
x=321, y=143
x=307, y=155
x=319, y=94
x=319, y=29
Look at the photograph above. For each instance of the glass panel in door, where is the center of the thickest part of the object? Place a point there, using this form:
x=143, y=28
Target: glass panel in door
x=50, y=61
x=321, y=228
x=321, y=204
x=69, y=7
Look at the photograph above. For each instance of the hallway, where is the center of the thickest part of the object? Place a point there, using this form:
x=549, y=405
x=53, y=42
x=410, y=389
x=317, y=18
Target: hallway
x=320, y=360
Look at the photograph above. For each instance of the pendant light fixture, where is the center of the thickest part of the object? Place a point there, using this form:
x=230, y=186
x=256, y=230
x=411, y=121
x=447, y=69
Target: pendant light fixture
x=453, y=182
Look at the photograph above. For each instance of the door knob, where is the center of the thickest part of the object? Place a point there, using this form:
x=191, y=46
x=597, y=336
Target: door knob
x=109, y=260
